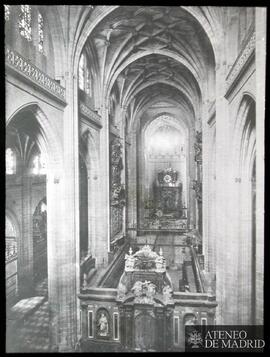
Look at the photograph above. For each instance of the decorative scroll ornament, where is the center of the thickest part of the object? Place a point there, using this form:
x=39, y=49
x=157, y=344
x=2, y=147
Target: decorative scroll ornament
x=197, y=187
x=145, y=259
x=167, y=294
x=118, y=195
x=145, y=280
x=144, y=292
x=116, y=153
x=198, y=147
x=117, y=188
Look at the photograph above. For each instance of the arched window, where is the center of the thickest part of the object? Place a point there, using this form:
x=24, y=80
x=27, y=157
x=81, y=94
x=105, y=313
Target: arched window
x=39, y=165
x=85, y=77
x=40, y=33
x=10, y=162
x=81, y=72
x=11, y=240
x=25, y=18
x=7, y=12
x=88, y=83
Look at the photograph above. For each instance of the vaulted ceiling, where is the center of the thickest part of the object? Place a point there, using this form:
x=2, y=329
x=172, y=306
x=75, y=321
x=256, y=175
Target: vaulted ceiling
x=146, y=54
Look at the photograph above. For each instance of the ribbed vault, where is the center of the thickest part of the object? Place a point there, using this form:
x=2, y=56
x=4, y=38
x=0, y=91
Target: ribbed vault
x=144, y=53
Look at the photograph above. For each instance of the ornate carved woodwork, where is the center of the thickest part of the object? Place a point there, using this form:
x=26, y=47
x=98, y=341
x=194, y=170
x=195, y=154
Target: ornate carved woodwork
x=166, y=210
x=197, y=187
x=118, y=196
x=198, y=147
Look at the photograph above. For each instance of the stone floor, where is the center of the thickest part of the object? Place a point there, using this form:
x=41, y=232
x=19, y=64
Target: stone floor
x=29, y=331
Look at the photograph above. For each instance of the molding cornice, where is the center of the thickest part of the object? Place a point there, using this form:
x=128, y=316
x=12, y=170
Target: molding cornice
x=240, y=64
x=28, y=71
x=90, y=115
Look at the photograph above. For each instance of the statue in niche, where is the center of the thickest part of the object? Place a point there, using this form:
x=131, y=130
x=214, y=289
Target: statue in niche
x=103, y=325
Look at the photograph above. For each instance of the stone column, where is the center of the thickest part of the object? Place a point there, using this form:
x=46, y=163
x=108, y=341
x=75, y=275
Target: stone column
x=245, y=254
x=63, y=232
x=224, y=265
x=132, y=185
x=260, y=114
x=205, y=182
x=25, y=251
x=103, y=206
x=123, y=174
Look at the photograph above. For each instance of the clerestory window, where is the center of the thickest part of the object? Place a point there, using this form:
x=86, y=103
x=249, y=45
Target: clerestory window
x=25, y=18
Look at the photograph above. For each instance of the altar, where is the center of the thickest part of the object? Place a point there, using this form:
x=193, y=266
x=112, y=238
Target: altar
x=167, y=210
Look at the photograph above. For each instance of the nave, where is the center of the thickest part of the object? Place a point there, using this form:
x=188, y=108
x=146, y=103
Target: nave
x=134, y=174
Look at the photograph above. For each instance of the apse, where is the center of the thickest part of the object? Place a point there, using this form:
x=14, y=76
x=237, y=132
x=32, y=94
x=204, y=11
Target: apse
x=163, y=175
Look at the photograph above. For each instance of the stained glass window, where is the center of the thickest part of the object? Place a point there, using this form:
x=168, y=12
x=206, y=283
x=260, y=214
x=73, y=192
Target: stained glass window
x=81, y=72
x=10, y=162
x=39, y=165
x=7, y=12
x=85, y=78
x=40, y=33
x=25, y=27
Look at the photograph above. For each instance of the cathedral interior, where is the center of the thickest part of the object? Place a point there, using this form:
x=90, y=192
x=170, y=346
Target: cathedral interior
x=134, y=174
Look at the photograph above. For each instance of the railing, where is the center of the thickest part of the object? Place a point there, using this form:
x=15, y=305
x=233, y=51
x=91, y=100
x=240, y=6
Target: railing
x=27, y=69
x=197, y=270
x=113, y=269
x=85, y=266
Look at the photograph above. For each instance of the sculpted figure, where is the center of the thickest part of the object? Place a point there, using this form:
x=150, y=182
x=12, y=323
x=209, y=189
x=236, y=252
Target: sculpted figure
x=103, y=327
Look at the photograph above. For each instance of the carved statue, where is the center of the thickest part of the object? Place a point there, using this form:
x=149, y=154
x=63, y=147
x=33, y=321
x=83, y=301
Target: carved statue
x=144, y=292
x=103, y=326
x=130, y=261
x=167, y=293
